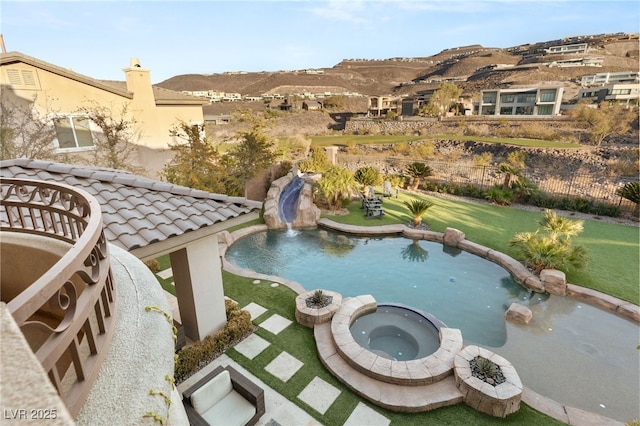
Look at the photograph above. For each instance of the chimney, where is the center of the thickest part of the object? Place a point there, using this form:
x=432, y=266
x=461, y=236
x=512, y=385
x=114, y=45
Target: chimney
x=139, y=83
x=2, y=48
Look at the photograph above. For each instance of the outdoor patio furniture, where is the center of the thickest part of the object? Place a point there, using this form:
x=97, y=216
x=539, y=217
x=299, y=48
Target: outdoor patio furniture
x=224, y=397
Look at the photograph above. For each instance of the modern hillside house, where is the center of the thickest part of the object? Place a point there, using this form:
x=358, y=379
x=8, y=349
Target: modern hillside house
x=526, y=101
x=58, y=94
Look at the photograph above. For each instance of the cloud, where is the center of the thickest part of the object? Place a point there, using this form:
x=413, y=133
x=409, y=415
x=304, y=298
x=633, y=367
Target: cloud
x=341, y=10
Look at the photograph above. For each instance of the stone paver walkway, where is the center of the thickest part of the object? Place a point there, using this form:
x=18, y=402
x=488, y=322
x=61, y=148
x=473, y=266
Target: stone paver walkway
x=255, y=310
x=319, y=395
x=284, y=366
x=363, y=415
x=252, y=346
x=275, y=323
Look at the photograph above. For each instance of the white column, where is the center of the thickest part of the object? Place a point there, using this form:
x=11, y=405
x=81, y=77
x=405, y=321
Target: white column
x=197, y=274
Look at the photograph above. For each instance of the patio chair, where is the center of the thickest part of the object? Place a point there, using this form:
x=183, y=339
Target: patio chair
x=224, y=397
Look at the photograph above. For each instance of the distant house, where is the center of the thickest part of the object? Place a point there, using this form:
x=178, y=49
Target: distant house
x=526, y=101
x=382, y=105
x=619, y=93
x=610, y=78
x=58, y=93
x=309, y=105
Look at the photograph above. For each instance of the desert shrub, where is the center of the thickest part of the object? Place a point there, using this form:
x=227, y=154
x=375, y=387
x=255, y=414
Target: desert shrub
x=401, y=148
x=153, y=265
x=500, y=195
x=368, y=176
x=316, y=162
x=484, y=159
x=623, y=167
x=397, y=181
x=194, y=357
x=536, y=131
x=422, y=150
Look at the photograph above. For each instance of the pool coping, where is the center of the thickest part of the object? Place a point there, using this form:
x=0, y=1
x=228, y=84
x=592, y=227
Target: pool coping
x=541, y=403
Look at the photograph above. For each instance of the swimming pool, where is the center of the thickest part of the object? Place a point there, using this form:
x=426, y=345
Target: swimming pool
x=572, y=352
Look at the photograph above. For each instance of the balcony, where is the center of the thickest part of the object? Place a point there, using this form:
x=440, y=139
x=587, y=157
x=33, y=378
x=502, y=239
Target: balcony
x=57, y=281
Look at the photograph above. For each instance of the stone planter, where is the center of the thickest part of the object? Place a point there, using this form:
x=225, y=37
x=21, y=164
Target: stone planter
x=310, y=316
x=497, y=401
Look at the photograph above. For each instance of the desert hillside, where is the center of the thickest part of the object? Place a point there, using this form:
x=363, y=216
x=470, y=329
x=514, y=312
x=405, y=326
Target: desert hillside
x=473, y=68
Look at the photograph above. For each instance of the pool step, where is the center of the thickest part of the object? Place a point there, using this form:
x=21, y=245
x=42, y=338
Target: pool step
x=412, y=399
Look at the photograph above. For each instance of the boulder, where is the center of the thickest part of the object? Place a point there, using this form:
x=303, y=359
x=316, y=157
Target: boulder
x=452, y=237
x=518, y=313
x=554, y=281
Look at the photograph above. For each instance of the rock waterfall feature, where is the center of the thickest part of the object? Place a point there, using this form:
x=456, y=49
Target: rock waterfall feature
x=289, y=203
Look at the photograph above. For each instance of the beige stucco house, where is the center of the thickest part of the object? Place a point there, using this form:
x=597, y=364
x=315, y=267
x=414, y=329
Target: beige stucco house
x=58, y=93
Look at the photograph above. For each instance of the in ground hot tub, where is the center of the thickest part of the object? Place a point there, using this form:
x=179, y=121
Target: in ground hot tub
x=397, y=346
x=397, y=332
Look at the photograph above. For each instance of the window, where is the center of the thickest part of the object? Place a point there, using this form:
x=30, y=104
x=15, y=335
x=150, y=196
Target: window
x=73, y=132
x=489, y=98
x=524, y=110
x=545, y=110
x=506, y=110
x=526, y=98
x=621, y=91
x=507, y=99
x=548, y=95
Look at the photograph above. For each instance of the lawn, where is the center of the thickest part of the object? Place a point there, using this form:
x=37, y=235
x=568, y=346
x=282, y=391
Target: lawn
x=299, y=342
x=614, y=249
x=346, y=140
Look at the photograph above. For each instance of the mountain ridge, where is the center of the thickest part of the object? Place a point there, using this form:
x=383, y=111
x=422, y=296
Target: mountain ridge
x=471, y=67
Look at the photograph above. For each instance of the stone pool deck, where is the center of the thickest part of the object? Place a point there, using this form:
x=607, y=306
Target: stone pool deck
x=441, y=393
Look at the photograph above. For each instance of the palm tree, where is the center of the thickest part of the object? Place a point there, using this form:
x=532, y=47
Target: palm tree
x=631, y=191
x=335, y=184
x=417, y=209
x=549, y=247
x=416, y=172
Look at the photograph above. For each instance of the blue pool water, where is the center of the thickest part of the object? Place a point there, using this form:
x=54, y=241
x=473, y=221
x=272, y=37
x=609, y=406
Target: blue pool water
x=462, y=290
x=572, y=352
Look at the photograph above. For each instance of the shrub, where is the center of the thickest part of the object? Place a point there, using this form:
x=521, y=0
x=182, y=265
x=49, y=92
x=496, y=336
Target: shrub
x=550, y=246
x=368, y=176
x=417, y=208
x=153, y=265
x=416, y=172
x=630, y=191
x=501, y=196
x=194, y=357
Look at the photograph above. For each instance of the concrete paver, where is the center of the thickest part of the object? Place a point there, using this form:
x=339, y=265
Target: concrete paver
x=319, y=395
x=252, y=346
x=275, y=323
x=363, y=415
x=165, y=274
x=255, y=310
x=284, y=366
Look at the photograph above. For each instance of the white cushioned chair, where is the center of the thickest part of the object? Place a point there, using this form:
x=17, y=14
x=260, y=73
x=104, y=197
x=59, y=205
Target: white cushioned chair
x=224, y=397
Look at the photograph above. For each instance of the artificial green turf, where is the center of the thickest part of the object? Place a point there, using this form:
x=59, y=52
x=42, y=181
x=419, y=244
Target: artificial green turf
x=614, y=249
x=298, y=341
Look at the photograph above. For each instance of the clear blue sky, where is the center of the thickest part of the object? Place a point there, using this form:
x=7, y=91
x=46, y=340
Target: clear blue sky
x=180, y=37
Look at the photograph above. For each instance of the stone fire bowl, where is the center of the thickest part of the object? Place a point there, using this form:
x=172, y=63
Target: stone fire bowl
x=311, y=316
x=497, y=401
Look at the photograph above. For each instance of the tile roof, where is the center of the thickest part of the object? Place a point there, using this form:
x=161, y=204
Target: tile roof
x=162, y=96
x=136, y=211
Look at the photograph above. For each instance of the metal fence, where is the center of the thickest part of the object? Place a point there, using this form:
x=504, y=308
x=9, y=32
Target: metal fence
x=597, y=187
